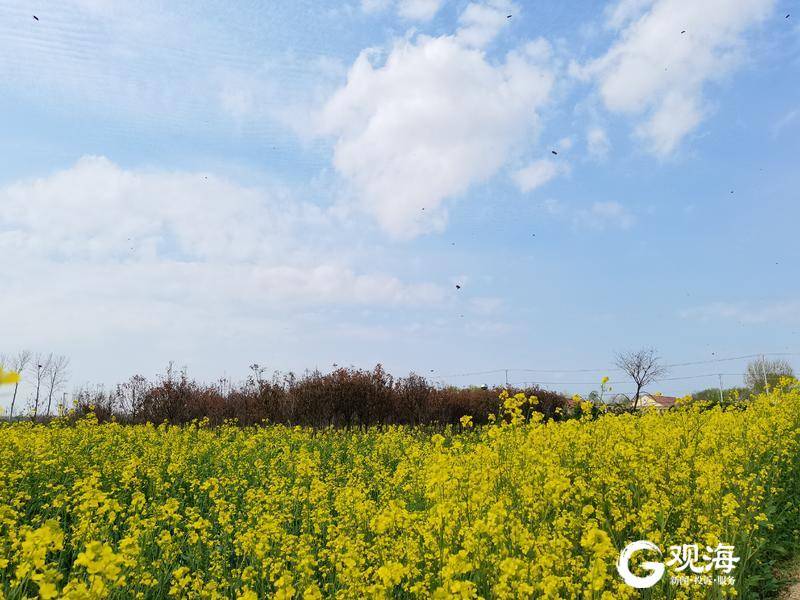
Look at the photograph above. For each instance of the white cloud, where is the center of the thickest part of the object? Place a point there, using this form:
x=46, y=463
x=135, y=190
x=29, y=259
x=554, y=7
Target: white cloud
x=372, y=6
x=113, y=57
x=656, y=72
x=418, y=10
x=487, y=305
x=482, y=21
x=597, y=142
x=676, y=115
x=537, y=174
x=412, y=10
x=97, y=248
x=601, y=215
x=167, y=66
x=624, y=11
x=564, y=144
x=433, y=119
x=786, y=121
x=553, y=207
x=598, y=215
x=787, y=312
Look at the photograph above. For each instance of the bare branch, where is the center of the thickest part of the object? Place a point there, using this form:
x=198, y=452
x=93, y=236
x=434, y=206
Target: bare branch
x=643, y=366
x=56, y=377
x=18, y=363
x=39, y=369
x=765, y=373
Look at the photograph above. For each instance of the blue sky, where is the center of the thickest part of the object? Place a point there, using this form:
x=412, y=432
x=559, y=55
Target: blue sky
x=296, y=185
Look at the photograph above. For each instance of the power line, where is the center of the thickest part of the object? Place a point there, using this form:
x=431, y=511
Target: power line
x=567, y=370
x=474, y=373
x=744, y=356
x=621, y=381
x=701, y=376
x=615, y=369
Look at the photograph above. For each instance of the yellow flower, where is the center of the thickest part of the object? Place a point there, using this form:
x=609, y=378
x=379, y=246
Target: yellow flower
x=8, y=376
x=517, y=509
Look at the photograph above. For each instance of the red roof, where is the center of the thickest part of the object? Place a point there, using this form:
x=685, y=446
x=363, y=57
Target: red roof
x=665, y=401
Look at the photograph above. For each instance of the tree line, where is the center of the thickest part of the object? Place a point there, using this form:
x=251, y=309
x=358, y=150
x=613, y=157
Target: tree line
x=345, y=396
x=48, y=374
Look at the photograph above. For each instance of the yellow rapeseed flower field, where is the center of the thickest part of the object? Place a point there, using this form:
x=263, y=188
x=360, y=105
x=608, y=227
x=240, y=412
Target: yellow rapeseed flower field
x=513, y=510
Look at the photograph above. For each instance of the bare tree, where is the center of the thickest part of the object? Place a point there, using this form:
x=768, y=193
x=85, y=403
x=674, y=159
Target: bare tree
x=55, y=377
x=18, y=364
x=39, y=370
x=765, y=373
x=643, y=366
x=131, y=395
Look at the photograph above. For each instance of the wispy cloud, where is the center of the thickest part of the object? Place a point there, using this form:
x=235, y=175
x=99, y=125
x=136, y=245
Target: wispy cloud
x=782, y=312
x=537, y=174
x=597, y=143
x=598, y=216
x=788, y=120
x=412, y=10
x=665, y=54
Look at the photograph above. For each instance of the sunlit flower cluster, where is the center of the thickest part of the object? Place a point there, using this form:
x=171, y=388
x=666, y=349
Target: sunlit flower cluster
x=521, y=508
x=7, y=377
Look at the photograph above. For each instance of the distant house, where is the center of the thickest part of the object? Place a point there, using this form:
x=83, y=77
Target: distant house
x=656, y=401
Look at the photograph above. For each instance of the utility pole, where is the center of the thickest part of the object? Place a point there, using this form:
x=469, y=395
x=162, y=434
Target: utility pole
x=720, y=388
x=764, y=371
x=506, y=377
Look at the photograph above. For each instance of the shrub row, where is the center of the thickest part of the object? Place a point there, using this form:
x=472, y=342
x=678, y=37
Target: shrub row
x=346, y=397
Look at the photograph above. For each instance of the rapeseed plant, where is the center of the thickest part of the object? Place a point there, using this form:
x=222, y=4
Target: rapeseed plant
x=520, y=508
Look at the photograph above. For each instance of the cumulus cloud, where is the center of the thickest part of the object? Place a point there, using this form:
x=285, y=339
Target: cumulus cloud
x=655, y=72
x=108, y=248
x=432, y=118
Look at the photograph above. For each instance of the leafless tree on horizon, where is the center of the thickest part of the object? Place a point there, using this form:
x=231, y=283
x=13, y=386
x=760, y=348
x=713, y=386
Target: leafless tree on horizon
x=131, y=394
x=39, y=369
x=17, y=363
x=765, y=373
x=55, y=376
x=643, y=366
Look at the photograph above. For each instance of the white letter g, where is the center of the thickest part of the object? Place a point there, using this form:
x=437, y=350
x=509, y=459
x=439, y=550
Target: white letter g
x=623, y=565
